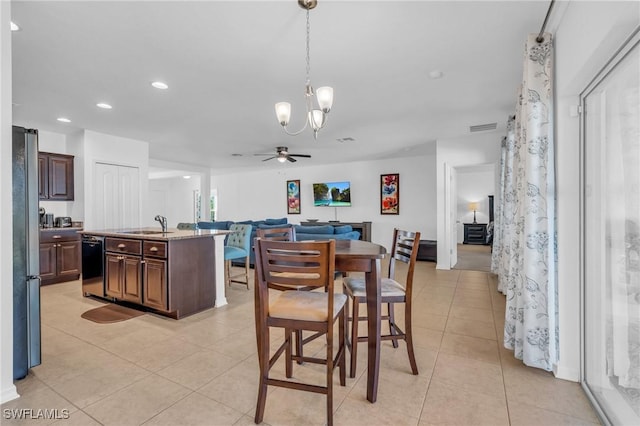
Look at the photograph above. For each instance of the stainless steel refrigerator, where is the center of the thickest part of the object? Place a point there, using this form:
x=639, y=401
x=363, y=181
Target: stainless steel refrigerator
x=26, y=252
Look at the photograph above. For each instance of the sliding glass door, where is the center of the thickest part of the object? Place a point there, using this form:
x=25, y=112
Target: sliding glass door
x=611, y=243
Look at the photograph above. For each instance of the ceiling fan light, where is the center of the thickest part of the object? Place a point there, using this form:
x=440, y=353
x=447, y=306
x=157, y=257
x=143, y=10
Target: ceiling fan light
x=282, y=158
x=283, y=112
x=316, y=119
x=325, y=98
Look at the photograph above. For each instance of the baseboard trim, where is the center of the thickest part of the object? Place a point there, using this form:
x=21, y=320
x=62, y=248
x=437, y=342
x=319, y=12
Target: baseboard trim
x=441, y=266
x=9, y=394
x=571, y=374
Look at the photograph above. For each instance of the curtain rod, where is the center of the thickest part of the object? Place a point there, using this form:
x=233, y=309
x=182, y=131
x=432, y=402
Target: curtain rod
x=540, y=39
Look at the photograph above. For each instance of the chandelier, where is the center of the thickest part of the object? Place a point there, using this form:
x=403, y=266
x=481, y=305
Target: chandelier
x=316, y=116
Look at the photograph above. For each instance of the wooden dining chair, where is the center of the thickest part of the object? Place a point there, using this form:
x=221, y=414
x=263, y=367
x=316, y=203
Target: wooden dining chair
x=288, y=234
x=308, y=264
x=404, y=249
x=284, y=233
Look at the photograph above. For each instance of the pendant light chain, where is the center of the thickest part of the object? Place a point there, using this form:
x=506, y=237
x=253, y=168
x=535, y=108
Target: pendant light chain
x=308, y=55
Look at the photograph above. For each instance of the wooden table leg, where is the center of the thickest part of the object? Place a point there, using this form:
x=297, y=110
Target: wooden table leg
x=372, y=280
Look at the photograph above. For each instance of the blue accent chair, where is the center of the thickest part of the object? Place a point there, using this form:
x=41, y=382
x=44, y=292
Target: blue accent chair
x=238, y=246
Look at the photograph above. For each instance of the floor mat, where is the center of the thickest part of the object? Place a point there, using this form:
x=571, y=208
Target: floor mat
x=111, y=313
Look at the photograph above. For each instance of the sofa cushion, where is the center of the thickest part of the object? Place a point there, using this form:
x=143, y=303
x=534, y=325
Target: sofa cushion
x=222, y=224
x=325, y=229
x=342, y=229
x=353, y=235
x=281, y=221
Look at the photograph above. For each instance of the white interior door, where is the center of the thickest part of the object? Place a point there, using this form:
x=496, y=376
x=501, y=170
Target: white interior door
x=116, y=196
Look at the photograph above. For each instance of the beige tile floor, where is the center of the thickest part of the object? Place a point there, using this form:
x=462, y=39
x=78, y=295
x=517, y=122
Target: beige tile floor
x=202, y=370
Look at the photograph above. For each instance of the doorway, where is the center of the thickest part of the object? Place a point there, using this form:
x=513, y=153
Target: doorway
x=473, y=206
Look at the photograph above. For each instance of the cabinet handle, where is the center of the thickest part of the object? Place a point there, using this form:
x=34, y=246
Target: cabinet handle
x=153, y=249
x=57, y=236
x=121, y=246
x=142, y=262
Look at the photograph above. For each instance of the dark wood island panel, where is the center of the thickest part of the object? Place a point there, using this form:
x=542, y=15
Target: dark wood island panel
x=172, y=273
x=191, y=276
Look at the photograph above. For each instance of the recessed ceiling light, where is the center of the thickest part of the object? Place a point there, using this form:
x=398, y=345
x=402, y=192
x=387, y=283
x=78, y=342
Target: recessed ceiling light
x=435, y=74
x=103, y=105
x=14, y=26
x=186, y=177
x=64, y=120
x=160, y=85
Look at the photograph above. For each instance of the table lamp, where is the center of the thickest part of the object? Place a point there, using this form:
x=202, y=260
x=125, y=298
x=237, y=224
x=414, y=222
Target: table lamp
x=473, y=207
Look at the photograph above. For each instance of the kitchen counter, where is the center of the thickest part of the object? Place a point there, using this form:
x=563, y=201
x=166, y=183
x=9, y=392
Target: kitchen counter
x=58, y=229
x=154, y=233
x=176, y=273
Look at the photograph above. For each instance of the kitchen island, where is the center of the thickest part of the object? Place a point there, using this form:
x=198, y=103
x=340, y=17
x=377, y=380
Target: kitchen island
x=174, y=273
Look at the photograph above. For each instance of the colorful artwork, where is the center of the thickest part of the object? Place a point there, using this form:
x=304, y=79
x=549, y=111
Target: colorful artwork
x=293, y=197
x=390, y=194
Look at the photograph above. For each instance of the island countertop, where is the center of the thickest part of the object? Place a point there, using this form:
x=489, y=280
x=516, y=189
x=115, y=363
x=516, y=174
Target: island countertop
x=155, y=233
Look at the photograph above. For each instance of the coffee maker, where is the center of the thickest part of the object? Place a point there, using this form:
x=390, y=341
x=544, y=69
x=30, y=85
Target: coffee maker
x=46, y=219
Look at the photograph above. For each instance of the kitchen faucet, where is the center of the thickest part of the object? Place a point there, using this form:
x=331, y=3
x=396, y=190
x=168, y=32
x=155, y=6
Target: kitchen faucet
x=163, y=222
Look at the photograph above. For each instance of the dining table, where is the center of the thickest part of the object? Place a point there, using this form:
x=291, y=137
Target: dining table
x=365, y=256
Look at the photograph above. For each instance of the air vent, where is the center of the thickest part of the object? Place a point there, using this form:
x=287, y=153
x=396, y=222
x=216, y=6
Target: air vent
x=347, y=139
x=483, y=127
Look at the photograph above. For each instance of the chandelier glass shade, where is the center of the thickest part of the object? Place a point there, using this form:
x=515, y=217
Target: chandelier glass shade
x=316, y=110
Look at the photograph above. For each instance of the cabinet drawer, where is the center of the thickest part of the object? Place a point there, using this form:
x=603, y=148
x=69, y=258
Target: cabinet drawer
x=121, y=245
x=57, y=236
x=154, y=248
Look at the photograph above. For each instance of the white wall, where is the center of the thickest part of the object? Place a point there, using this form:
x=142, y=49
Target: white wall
x=173, y=198
x=90, y=147
x=476, y=149
x=587, y=36
x=262, y=194
x=7, y=388
x=473, y=186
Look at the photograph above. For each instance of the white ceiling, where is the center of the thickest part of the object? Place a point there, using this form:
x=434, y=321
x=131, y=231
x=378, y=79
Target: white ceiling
x=228, y=62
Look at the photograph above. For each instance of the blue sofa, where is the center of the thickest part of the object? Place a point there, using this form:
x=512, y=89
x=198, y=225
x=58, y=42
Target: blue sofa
x=325, y=232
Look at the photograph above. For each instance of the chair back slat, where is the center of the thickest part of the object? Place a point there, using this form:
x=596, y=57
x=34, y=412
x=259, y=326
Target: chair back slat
x=308, y=264
x=405, y=250
x=285, y=233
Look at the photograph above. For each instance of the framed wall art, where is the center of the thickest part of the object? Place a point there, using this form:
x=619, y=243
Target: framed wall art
x=293, y=197
x=390, y=194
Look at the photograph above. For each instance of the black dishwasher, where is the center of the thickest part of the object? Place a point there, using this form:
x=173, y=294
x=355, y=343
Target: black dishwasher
x=92, y=265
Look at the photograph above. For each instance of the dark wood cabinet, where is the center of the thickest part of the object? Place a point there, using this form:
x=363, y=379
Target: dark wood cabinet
x=55, y=180
x=173, y=277
x=155, y=283
x=123, y=271
x=60, y=256
x=475, y=233
x=155, y=274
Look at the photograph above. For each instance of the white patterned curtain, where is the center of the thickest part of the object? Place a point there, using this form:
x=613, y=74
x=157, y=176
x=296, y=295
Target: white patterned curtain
x=524, y=254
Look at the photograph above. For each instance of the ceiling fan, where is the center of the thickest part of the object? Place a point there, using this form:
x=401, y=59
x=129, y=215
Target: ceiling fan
x=282, y=155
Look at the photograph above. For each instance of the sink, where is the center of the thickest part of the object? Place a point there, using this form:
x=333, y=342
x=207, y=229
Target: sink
x=145, y=232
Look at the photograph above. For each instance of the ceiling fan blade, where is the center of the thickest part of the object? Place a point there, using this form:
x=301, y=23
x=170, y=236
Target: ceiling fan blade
x=300, y=155
x=293, y=160
x=261, y=154
x=270, y=158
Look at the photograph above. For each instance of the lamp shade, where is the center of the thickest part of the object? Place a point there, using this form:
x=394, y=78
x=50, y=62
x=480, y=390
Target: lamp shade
x=325, y=98
x=473, y=207
x=283, y=112
x=316, y=119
